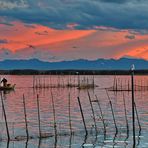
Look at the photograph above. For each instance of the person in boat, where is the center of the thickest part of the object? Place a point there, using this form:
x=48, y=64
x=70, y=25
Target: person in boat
x=4, y=81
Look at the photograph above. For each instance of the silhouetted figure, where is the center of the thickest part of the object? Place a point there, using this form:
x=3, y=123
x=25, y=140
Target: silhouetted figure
x=4, y=81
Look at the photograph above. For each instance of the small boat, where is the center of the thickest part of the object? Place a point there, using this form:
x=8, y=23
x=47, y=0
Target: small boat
x=8, y=87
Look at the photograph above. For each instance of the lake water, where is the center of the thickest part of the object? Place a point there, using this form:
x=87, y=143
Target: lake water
x=66, y=114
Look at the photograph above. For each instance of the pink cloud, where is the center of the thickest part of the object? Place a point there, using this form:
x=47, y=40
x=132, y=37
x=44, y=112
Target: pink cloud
x=36, y=41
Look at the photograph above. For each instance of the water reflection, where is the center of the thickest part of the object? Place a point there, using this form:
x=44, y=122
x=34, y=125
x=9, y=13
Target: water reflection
x=85, y=140
x=39, y=144
x=15, y=114
x=138, y=140
x=8, y=142
x=26, y=144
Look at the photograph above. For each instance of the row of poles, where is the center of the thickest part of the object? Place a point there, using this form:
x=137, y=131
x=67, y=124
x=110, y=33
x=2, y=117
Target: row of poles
x=125, y=85
x=134, y=112
x=60, y=82
x=44, y=135
x=26, y=120
x=91, y=102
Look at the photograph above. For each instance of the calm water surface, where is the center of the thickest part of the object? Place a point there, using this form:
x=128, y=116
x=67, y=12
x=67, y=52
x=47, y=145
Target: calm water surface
x=15, y=114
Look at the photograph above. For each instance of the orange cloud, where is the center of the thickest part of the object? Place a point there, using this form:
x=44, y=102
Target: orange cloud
x=20, y=36
x=71, y=44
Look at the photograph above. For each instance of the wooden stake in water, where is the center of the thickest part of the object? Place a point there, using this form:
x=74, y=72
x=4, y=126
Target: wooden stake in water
x=69, y=104
x=38, y=107
x=111, y=106
x=93, y=80
x=25, y=114
x=114, y=83
x=128, y=86
x=93, y=112
x=126, y=119
x=8, y=142
x=44, y=85
x=82, y=115
x=133, y=105
x=137, y=117
x=102, y=117
x=78, y=79
x=54, y=115
x=5, y=117
x=33, y=81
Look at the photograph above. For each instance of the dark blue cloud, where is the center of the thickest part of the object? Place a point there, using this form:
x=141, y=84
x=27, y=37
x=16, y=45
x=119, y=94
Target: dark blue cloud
x=121, y=14
x=130, y=36
x=114, y=1
x=3, y=41
x=27, y=54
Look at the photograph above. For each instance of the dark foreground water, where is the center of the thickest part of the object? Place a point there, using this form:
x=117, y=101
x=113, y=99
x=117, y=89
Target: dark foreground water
x=67, y=112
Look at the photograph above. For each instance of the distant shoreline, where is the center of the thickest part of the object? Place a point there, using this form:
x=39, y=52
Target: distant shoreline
x=71, y=72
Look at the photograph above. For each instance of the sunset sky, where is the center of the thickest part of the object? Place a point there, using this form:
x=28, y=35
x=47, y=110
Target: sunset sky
x=55, y=30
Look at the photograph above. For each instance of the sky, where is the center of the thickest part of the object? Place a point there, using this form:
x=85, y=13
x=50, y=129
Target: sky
x=57, y=30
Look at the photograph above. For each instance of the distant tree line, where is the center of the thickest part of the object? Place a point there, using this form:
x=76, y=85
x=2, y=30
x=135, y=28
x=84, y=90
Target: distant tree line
x=71, y=72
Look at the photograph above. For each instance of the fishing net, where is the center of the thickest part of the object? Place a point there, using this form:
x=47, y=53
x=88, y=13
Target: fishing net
x=128, y=88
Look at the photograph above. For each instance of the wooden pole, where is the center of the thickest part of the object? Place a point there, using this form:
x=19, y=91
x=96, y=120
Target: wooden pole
x=93, y=80
x=34, y=81
x=69, y=104
x=110, y=102
x=93, y=112
x=8, y=143
x=25, y=114
x=54, y=116
x=125, y=112
x=50, y=81
x=83, y=119
x=26, y=143
x=5, y=117
x=128, y=86
x=114, y=83
x=133, y=105
x=137, y=117
x=63, y=81
x=78, y=80
x=39, y=122
x=44, y=82
x=70, y=141
x=40, y=82
x=98, y=102
x=138, y=140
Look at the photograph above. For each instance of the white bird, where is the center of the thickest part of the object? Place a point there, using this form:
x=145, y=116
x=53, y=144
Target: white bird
x=133, y=67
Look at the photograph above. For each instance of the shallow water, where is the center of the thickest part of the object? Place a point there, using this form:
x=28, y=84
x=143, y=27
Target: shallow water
x=15, y=113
